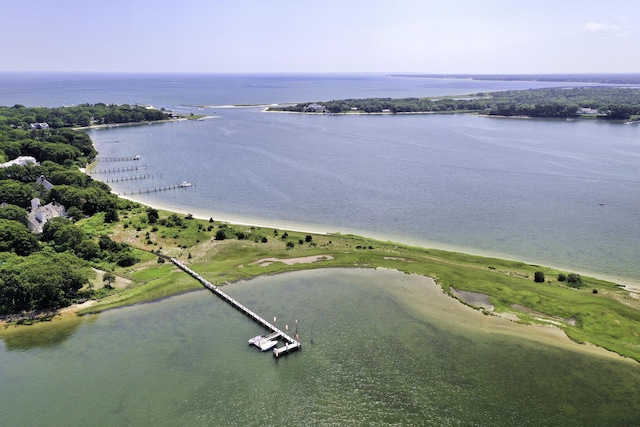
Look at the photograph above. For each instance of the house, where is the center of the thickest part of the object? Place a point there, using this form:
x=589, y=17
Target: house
x=587, y=111
x=315, y=108
x=39, y=214
x=42, y=125
x=43, y=181
x=20, y=161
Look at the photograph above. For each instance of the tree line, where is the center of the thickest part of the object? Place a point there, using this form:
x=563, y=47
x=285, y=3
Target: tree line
x=21, y=117
x=48, y=271
x=609, y=103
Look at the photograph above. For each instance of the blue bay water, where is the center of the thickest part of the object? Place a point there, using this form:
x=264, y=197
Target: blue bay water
x=522, y=189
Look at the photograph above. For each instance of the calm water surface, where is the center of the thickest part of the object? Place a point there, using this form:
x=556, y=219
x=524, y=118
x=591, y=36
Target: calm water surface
x=388, y=349
x=523, y=189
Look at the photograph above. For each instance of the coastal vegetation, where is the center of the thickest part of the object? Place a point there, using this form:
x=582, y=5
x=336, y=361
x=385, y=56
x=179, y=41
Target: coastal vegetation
x=610, y=103
x=113, y=252
x=21, y=117
x=30, y=263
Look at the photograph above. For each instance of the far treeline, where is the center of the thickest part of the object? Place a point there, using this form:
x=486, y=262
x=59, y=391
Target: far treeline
x=611, y=103
x=48, y=270
x=82, y=115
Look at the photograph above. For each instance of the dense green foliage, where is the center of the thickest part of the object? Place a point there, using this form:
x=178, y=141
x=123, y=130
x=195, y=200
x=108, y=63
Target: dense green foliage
x=610, y=103
x=42, y=280
x=19, y=116
x=26, y=281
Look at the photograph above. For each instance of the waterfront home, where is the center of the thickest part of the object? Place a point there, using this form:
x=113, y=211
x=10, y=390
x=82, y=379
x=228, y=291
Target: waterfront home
x=40, y=214
x=20, y=161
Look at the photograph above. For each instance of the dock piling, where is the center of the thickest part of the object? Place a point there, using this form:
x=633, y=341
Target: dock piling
x=291, y=344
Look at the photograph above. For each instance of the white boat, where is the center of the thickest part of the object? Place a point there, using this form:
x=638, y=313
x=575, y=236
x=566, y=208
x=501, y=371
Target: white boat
x=267, y=344
x=256, y=339
x=185, y=184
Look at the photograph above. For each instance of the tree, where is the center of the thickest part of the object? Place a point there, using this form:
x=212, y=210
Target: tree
x=74, y=213
x=108, y=278
x=308, y=238
x=16, y=193
x=220, y=235
x=106, y=244
x=152, y=215
x=574, y=280
x=63, y=234
x=15, y=213
x=16, y=238
x=126, y=259
x=87, y=250
x=538, y=277
x=40, y=281
x=111, y=215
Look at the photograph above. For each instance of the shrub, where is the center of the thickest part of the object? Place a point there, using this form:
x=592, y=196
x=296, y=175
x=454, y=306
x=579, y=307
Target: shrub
x=220, y=235
x=574, y=280
x=562, y=277
x=126, y=259
x=538, y=277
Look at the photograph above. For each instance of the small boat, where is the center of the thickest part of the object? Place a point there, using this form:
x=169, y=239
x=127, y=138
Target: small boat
x=267, y=344
x=136, y=157
x=256, y=339
x=601, y=203
x=185, y=184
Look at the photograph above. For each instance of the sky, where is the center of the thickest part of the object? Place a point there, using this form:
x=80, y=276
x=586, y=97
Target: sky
x=324, y=36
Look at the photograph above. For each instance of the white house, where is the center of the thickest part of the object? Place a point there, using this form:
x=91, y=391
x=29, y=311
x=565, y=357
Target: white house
x=39, y=214
x=315, y=108
x=20, y=161
x=42, y=125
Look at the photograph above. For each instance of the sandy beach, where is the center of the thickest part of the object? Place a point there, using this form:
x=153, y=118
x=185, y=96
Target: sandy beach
x=630, y=285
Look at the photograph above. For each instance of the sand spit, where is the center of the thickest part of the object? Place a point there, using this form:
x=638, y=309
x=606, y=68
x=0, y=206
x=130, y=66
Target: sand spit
x=291, y=261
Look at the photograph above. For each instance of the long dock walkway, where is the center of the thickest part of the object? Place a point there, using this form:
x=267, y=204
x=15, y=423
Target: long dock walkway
x=292, y=344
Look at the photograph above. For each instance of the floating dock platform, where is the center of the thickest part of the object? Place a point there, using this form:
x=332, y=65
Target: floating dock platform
x=291, y=344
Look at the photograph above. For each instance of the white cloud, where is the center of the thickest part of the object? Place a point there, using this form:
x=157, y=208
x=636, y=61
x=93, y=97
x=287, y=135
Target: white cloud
x=600, y=26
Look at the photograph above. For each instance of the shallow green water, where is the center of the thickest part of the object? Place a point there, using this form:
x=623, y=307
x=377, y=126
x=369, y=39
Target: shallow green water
x=379, y=348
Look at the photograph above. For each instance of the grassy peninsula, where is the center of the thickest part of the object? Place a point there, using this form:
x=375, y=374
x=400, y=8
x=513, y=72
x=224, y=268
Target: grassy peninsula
x=590, y=310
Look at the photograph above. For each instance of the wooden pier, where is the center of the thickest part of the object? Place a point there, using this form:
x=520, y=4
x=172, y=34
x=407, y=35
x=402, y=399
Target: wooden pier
x=154, y=189
x=118, y=170
x=118, y=159
x=128, y=178
x=291, y=344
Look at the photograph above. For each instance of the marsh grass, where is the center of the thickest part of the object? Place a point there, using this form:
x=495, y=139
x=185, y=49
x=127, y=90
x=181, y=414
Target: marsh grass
x=608, y=318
